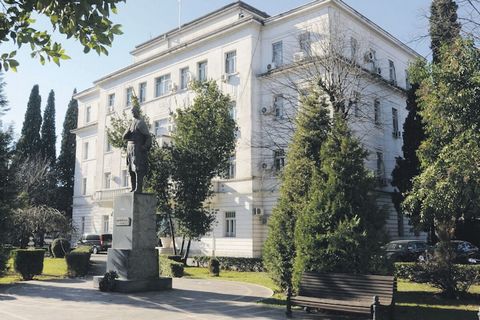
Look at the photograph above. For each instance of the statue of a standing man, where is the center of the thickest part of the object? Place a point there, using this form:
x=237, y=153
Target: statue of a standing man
x=139, y=142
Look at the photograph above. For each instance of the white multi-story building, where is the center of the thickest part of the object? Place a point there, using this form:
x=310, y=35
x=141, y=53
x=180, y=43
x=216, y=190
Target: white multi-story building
x=246, y=51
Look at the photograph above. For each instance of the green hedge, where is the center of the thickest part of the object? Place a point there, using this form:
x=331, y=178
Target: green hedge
x=170, y=268
x=84, y=249
x=4, y=256
x=232, y=263
x=214, y=267
x=78, y=263
x=28, y=263
x=60, y=247
x=416, y=271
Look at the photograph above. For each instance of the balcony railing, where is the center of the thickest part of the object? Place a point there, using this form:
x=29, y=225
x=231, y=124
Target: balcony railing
x=107, y=195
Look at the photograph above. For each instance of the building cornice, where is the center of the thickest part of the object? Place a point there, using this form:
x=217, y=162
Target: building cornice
x=90, y=125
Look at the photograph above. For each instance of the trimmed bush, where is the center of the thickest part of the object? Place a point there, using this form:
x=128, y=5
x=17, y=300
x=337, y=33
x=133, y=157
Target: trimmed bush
x=214, y=267
x=233, y=263
x=28, y=263
x=78, y=263
x=170, y=268
x=4, y=256
x=108, y=281
x=60, y=247
x=176, y=258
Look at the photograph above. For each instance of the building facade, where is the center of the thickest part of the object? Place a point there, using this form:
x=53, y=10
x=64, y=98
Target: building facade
x=253, y=57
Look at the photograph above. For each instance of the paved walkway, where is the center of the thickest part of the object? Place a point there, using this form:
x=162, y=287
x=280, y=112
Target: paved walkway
x=75, y=299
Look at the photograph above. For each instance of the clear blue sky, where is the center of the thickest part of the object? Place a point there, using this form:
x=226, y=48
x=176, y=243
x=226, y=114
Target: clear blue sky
x=143, y=19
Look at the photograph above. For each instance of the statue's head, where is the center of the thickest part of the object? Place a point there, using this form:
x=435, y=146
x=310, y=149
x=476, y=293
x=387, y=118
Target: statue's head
x=136, y=112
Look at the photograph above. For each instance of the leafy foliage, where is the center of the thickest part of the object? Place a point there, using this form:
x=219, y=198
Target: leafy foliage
x=87, y=21
x=65, y=167
x=29, y=144
x=214, y=267
x=28, y=263
x=341, y=228
x=60, y=247
x=78, y=263
x=170, y=268
x=48, y=136
x=108, y=281
x=7, y=182
x=444, y=27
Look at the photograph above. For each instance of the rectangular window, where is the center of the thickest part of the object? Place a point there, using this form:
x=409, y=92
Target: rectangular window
x=396, y=132
x=279, y=159
x=392, y=72
x=108, y=145
x=85, y=151
x=353, y=48
x=161, y=127
x=305, y=43
x=184, y=78
x=278, y=104
x=230, y=224
x=163, y=85
x=88, y=114
x=142, y=92
x=129, y=96
x=378, y=112
x=408, y=85
x=355, y=102
x=232, y=110
x=111, y=102
x=84, y=186
x=125, y=178
x=82, y=225
x=106, y=224
x=107, y=177
x=232, y=168
x=202, y=71
x=380, y=165
x=277, y=53
x=371, y=58
x=231, y=62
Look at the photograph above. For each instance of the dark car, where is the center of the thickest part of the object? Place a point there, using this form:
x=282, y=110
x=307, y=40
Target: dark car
x=97, y=242
x=465, y=252
x=405, y=250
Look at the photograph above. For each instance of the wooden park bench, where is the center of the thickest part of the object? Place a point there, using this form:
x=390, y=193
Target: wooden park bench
x=349, y=293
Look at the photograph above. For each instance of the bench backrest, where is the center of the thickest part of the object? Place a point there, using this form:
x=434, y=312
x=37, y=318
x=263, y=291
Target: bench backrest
x=340, y=286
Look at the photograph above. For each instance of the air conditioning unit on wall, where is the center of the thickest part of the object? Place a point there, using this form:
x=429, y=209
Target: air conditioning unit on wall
x=271, y=66
x=298, y=56
x=257, y=211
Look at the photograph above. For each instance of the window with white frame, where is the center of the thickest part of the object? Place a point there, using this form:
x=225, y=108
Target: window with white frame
x=142, y=92
x=230, y=224
x=161, y=127
x=184, y=78
x=279, y=159
x=277, y=53
x=84, y=186
x=163, y=85
x=106, y=224
x=371, y=58
x=202, y=71
x=85, y=150
x=88, y=114
x=107, y=177
x=232, y=168
x=380, y=165
x=125, y=178
x=232, y=110
x=111, y=102
x=129, y=96
x=353, y=48
x=392, y=72
x=231, y=62
x=278, y=105
x=395, y=122
x=305, y=43
x=108, y=145
x=408, y=85
x=377, y=112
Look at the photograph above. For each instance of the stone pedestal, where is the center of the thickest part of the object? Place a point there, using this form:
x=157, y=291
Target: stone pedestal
x=133, y=255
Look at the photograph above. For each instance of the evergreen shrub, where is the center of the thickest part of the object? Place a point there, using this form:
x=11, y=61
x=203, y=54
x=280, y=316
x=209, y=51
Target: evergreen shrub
x=170, y=268
x=78, y=263
x=214, y=267
x=4, y=256
x=60, y=247
x=28, y=263
x=233, y=263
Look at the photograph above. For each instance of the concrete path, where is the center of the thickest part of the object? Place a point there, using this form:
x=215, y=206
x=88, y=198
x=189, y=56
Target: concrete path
x=75, y=299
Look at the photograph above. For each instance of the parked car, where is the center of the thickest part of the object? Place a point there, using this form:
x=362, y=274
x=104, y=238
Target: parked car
x=98, y=242
x=465, y=252
x=405, y=250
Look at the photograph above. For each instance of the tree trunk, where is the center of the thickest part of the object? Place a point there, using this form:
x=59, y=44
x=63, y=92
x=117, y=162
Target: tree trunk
x=183, y=244
x=172, y=232
x=289, y=303
x=187, y=252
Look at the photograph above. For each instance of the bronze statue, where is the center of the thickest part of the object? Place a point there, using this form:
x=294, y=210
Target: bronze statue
x=139, y=142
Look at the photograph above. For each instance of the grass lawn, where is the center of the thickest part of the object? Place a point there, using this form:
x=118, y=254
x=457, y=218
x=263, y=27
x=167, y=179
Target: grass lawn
x=52, y=269
x=414, y=301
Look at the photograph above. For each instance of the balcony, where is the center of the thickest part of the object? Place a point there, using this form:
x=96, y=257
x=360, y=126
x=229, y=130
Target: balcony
x=104, y=198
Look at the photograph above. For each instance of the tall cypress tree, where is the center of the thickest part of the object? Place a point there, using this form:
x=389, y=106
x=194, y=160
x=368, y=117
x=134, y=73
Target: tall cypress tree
x=66, y=159
x=48, y=129
x=312, y=125
x=444, y=25
x=29, y=144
